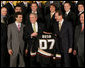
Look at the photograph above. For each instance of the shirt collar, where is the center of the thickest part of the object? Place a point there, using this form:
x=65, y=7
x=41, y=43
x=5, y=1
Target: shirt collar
x=35, y=23
x=62, y=21
x=17, y=23
x=67, y=12
x=34, y=12
x=80, y=12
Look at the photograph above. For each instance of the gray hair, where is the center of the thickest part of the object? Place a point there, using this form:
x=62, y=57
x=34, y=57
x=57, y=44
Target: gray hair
x=34, y=14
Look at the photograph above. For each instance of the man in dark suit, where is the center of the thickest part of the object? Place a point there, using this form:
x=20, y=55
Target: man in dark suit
x=15, y=42
x=64, y=30
x=34, y=9
x=80, y=10
x=4, y=54
x=69, y=15
x=4, y=24
x=47, y=6
x=10, y=7
x=40, y=7
x=79, y=42
x=50, y=18
x=31, y=31
x=25, y=6
x=11, y=18
x=4, y=16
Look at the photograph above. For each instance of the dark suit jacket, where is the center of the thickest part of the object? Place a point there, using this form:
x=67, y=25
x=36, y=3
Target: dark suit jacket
x=79, y=41
x=71, y=17
x=65, y=36
x=41, y=8
x=3, y=38
x=27, y=35
x=9, y=8
x=49, y=22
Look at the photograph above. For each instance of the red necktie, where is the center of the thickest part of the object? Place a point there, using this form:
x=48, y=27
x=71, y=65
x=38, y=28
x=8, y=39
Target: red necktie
x=82, y=28
x=19, y=27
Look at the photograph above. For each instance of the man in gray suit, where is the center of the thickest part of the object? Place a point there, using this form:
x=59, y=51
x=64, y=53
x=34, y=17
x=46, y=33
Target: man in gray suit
x=15, y=42
x=79, y=42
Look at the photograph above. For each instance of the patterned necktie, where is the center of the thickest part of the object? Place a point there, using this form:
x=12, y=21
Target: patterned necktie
x=34, y=27
x=19, y=27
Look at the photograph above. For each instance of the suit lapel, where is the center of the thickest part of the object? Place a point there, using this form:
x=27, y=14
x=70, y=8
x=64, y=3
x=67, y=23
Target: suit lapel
x=31, y=29
x=15, y=27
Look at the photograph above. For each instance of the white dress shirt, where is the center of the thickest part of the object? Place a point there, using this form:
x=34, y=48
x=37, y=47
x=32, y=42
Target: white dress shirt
x=17, y=24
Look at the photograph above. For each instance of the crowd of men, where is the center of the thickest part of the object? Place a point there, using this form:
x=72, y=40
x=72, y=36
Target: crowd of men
x=23, y=23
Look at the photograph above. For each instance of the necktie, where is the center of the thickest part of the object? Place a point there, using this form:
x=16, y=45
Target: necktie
x=82, y=28
x=34, y=28
x=59, y=26
x=19, y=27
x=51, y=15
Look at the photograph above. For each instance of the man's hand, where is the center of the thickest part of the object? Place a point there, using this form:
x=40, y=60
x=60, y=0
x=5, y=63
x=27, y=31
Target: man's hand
x=26, y=51
x=10, y=52
x=70, y=50
x=34, y=34
x=74, y=52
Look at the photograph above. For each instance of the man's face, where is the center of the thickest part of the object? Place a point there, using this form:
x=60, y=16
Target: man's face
x=80, y=8
x=67, y=7
x=57, y=17
x=4, y=11
x=19, y=18
x=33, y=18
x=82, y=18
x=18, y=9
x=34, y=7
x=52, y=8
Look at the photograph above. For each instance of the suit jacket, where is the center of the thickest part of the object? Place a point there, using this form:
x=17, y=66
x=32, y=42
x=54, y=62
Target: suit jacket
x=65, y=36
x=15, y=39
x=28, y=30
x=41, y=8
x=49, y=22
x=79, y=41
x=10, y=9
x=71, y=17
x=3, y=38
